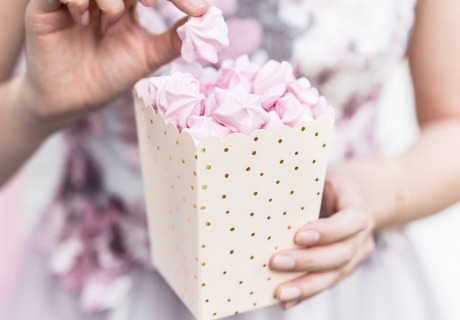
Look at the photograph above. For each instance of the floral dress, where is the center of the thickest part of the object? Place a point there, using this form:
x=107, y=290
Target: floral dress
x=94, y=234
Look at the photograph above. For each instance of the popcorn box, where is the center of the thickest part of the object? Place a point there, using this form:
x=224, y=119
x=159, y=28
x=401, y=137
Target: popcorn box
x=218, y=210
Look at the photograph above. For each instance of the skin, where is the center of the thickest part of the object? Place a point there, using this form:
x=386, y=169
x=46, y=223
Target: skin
x=359, y=195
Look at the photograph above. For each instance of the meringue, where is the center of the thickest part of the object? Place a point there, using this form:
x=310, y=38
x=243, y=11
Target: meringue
x=304, y=92
x=194, y=68
x=210, y=105
x=208, y=80
x=289, y=108
x=271, y=82
x=239, y=71
x=239, y=110
x=202, y=37
x=177, y=97
x=322, y=108
x=273, y=123
x=201, y=127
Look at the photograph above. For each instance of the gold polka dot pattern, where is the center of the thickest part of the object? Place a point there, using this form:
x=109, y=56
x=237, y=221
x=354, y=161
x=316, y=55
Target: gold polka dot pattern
x=231, y=205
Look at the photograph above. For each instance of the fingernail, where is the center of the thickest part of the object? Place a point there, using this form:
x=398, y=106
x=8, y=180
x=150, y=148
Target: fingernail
x=112, y=30
x=283, y=263
x=199, y=3
x=289, y=294
x=85, y=18
x=151, y=3
x=307, y=238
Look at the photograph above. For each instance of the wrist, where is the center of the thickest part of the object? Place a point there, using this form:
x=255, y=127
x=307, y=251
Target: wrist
x=33, y=122
x=22, y=123
x=375, y=181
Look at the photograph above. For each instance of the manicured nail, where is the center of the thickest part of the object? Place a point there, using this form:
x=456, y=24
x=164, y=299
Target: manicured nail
x=307, y=238
x=85, y=18
x=289, y=294
x=112, y=30
x=199, y=3
x=283, y=263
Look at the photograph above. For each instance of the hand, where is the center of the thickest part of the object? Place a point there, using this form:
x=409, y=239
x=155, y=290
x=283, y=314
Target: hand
x=84, y=53
x=333, y=246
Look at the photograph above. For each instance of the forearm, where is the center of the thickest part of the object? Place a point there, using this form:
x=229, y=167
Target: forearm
x=430, y=170
x=11, y=34
x=20, y=132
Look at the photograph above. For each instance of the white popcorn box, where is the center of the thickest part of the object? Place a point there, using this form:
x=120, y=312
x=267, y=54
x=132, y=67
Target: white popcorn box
x=218, y=210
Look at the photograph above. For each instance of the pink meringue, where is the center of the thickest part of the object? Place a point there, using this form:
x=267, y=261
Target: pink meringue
x=303, y=91
x=289, y=108
x=208, y=80
x=271, y=82
x=239, y=71
x=210, y=105
x=202, y=37
x=273, y=123
x=177, y=97
x=194, y=68
x=239, y=110
x=201, y=127
x=322, y=108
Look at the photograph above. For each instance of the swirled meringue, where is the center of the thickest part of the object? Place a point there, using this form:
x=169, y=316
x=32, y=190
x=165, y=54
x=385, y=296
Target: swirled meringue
x=201, y=127
x=304, y=92
x=177, y=97
x=271, y=82
x=239, y=71
x=202, y=37
x=239, y=110
x=289, y=109
x=273, y=123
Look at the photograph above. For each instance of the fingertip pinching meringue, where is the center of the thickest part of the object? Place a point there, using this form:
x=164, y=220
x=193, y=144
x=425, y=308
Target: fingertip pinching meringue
x=239, y=110
x=203, y=37
x=177, y=97
x=271, y=82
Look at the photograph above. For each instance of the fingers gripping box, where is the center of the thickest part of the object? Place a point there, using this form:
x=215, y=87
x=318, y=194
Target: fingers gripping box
x=218, y=210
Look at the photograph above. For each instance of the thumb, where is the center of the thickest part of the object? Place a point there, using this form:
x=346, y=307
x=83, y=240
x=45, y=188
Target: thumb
x=45, y=6
x=194, y=8
x=163, y=48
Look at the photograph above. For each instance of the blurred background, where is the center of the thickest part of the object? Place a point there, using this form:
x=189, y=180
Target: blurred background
x=437, y=239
